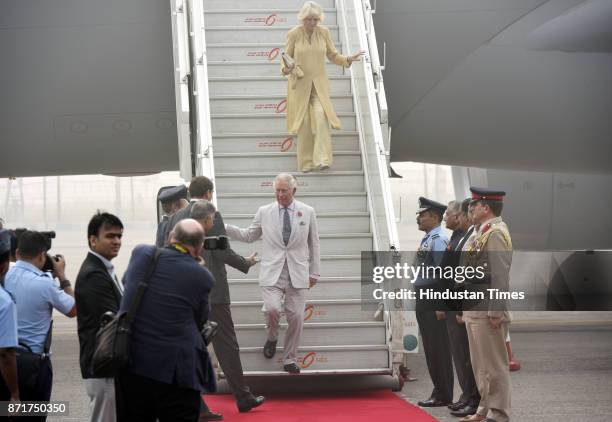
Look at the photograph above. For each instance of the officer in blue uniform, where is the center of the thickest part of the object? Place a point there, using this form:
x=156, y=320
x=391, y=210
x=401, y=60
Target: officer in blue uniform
x=434, y=335
x=9, y=389
x=172, y=201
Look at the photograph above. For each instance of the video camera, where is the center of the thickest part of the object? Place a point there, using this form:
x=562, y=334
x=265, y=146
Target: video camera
x=49, y=236
x=212, y=243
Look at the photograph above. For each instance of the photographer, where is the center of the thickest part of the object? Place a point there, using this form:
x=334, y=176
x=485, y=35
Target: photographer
x=36, y=294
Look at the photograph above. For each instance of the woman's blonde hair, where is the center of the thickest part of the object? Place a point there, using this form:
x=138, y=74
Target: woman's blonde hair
x=310, y=8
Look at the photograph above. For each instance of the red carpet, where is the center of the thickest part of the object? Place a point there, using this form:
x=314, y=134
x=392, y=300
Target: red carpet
x=364, y=406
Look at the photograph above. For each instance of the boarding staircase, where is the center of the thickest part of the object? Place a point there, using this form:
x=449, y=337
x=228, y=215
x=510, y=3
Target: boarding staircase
x=233, y=122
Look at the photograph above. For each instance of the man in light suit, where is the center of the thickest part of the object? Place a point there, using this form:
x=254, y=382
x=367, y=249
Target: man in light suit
x=290, y=262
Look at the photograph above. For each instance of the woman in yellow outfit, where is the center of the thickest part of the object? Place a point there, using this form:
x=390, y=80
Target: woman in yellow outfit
x=309, y=109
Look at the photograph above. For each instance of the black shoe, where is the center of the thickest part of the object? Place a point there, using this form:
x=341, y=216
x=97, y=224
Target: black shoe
x=251, y=403
x=467, y=410
x=292, y=368
x=488, y=420
x=270, y=349
x=210, y=416
x=431, y=402
x=457, y=405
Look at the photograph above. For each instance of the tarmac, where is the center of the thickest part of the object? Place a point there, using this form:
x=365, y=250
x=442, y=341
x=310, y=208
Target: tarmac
x=566, y=372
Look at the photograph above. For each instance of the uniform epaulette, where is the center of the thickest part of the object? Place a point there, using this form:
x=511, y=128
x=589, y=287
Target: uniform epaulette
x=435, y=236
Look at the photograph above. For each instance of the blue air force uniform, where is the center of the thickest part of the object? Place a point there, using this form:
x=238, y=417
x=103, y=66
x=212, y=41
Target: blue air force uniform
x=433, y=331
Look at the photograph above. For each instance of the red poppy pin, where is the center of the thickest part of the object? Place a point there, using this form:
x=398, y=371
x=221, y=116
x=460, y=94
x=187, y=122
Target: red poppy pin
x=299, y=213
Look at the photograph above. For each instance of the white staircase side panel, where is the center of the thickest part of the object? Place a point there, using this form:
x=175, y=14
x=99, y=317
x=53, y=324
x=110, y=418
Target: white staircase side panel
x=246, y=34
x=276, y=142
x=262, y=4
x=342, y=287
x=318, y=334
x=322, y=358
x=331, y=181
x=259, y=17
x=260, y=122
x=340, y=85
x=247, y=52
x=256, y=68
x=328, y=311
x=266, y=104
x=331, y=266
x=279, y=162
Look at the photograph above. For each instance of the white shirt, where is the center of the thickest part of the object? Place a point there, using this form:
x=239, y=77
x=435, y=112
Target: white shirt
x=110, y=268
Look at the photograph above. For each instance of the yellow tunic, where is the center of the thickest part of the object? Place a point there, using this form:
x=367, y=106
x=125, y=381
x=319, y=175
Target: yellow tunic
x=310, y=57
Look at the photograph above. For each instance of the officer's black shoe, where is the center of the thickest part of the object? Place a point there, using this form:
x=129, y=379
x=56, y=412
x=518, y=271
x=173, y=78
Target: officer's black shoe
x=210, y=416
x=457, y=405
x=269, y=349
x=292, y=368
x=251, y=403
x=431, y=402
x=464, y=411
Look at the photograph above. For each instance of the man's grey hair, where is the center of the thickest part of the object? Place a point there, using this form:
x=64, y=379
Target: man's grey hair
x=188, y=232
x=454, y=207
x=286, y=177
x=202, y=209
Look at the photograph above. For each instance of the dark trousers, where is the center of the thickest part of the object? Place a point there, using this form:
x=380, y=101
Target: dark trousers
x=437, y=354
x=460, y=350
x=228, y=352
x=40, y=390
x=141, y=399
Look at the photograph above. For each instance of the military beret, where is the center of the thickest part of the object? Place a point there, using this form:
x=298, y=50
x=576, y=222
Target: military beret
x=483, y=194
x=427, y=204
x=5, y=241
x=174, y=193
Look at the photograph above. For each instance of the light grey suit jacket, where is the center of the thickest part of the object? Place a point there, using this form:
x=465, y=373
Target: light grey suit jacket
x=302, y=251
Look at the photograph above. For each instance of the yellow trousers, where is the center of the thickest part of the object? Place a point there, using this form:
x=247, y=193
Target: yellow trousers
x=314, y=149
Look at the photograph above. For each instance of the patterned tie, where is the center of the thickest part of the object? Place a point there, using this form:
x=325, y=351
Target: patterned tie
x=286, y=226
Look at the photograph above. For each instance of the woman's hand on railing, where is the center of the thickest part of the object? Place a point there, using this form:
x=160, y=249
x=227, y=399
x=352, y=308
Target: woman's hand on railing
x=355, y=57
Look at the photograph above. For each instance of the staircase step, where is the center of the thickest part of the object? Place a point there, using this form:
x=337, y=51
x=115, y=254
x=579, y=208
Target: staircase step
x=261, y=122
x=252, y=52
x=372, y=358
x=331, y=266
x=245, y=34
x=266, y=104
x=276, y=142
x=256, y=68
x=308, y=182
x=358, y=222
x=339, y=310
x=260, y=16
x=279, y=162
x=265, y=85
x=336, y=287
x=330, y=243
x=264, y=4
x=318, y=334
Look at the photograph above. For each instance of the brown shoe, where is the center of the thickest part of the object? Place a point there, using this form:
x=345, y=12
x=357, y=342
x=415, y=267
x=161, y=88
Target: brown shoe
x=474, y=418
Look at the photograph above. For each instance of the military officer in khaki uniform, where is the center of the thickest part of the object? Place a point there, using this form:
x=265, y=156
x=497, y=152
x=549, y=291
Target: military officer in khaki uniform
x=487, y=322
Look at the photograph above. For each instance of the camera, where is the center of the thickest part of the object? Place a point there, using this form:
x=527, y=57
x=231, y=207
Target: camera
x=212, y=243
x=49, y=236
